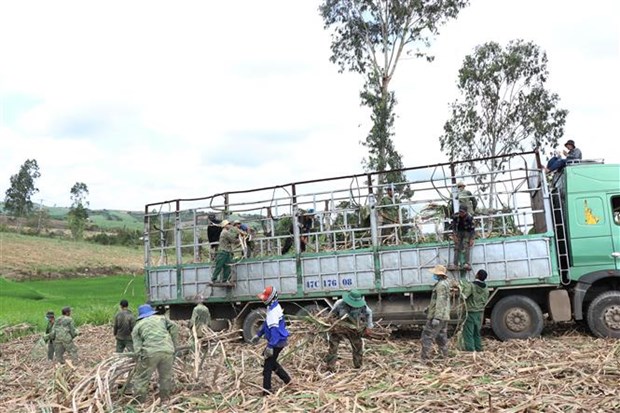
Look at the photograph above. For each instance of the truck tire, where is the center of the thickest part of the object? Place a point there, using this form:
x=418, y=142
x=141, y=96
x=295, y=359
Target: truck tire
x=516, y=317
x=604, y=315
x=252, y=323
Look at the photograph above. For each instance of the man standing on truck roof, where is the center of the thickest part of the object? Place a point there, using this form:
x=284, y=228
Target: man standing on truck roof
x=463, y=235
x=466, y=198
x=154, y=339
x=124, y=321
x=438, y=315
x=476, y=295
x=62, y=335
x=274, y=330
x=353, y=308
x=229, y=239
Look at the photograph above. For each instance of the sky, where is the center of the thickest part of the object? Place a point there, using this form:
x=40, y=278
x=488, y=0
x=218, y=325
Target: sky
x=146, y=101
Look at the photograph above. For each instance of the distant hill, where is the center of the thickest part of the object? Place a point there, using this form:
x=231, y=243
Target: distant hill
x=105, y=219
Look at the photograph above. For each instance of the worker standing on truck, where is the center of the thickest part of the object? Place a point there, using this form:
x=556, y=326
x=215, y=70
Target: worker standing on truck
x=466, y=198
x=352, y=307
x=124, y=321
x=229, y=239
x=463, y=235
x=438, y=315
x=154, y=340
x=476, y=295
x=274, y=330
x=245, y=238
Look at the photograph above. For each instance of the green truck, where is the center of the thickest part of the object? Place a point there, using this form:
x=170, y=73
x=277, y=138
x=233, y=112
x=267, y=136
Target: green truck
x=550, y=244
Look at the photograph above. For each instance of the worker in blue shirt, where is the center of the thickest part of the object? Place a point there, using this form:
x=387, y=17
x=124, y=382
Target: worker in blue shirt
x=276, y=334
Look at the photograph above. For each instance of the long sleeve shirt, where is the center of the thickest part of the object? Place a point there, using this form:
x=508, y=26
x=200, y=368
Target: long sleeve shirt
x=229, y=239
x=439, y=307
x=124, y=322
x=64, y=330
x=476, y=295
x=201, y=316
x=154, y=334
x=463, y=224
x=356, y=315
x=574, y=154
x=274, y=327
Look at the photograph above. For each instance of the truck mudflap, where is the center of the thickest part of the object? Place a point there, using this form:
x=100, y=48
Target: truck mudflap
x=584, y=284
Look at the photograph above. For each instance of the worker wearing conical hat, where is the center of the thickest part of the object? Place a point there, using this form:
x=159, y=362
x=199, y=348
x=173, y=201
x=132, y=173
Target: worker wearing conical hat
x=438, y=315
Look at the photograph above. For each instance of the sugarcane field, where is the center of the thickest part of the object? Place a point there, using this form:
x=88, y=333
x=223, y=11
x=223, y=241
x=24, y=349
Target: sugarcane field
x=564, y=370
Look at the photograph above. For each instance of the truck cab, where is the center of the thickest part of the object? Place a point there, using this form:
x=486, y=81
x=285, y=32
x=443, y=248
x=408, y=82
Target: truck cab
x=590, y=194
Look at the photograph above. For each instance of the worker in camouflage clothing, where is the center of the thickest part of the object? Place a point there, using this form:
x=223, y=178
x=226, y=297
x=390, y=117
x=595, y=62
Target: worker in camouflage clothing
x=124, y=321
x=154, y=341
x=62, y=335
x=463, y=235
x=476, y=295
x=466, y=198
x=229, y=239
x=353, y=308
x=48, y=330
x=438, y=315
x=201, y=318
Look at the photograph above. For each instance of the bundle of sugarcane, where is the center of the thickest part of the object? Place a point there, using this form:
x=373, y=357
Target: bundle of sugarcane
x=322, y=323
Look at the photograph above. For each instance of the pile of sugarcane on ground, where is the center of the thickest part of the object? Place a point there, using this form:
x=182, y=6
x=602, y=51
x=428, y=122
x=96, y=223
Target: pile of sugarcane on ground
x=565, y=370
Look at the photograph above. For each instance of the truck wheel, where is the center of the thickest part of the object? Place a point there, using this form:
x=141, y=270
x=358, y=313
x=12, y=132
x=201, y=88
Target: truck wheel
x=604, y=315
x=516, y=317
x=252, y=323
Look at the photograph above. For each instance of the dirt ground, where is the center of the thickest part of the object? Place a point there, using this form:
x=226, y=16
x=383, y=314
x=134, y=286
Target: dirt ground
x=565, y=371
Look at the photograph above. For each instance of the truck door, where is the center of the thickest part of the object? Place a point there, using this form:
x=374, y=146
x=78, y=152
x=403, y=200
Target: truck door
x=614, y=200
x=591, y=232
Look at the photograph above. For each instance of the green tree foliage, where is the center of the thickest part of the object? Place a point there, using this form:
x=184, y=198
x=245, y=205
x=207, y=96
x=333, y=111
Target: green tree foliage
x=78, y=214
x=369, y=37
x=504, y=107
x=17, y=201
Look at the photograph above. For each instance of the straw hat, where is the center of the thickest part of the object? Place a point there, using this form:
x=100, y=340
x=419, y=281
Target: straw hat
x=439, y=270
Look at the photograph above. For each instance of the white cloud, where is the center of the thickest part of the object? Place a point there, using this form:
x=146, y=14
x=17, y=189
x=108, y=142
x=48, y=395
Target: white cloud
x=151, y=100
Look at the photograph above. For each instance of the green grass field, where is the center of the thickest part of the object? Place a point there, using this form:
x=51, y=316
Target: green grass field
x=105, y=218
x=93, y=300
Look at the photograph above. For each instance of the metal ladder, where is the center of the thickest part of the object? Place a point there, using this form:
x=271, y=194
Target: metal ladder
x=561, y=241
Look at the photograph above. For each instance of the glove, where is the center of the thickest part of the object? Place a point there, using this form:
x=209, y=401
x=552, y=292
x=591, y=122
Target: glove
x=268, y=352
x=255, y=339
x=435, y=322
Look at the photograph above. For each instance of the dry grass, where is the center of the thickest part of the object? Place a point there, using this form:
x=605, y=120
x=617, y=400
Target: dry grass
x=566, y=371
x=37, y=257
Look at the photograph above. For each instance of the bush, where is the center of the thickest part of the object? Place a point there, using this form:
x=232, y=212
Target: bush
x=125, y=237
